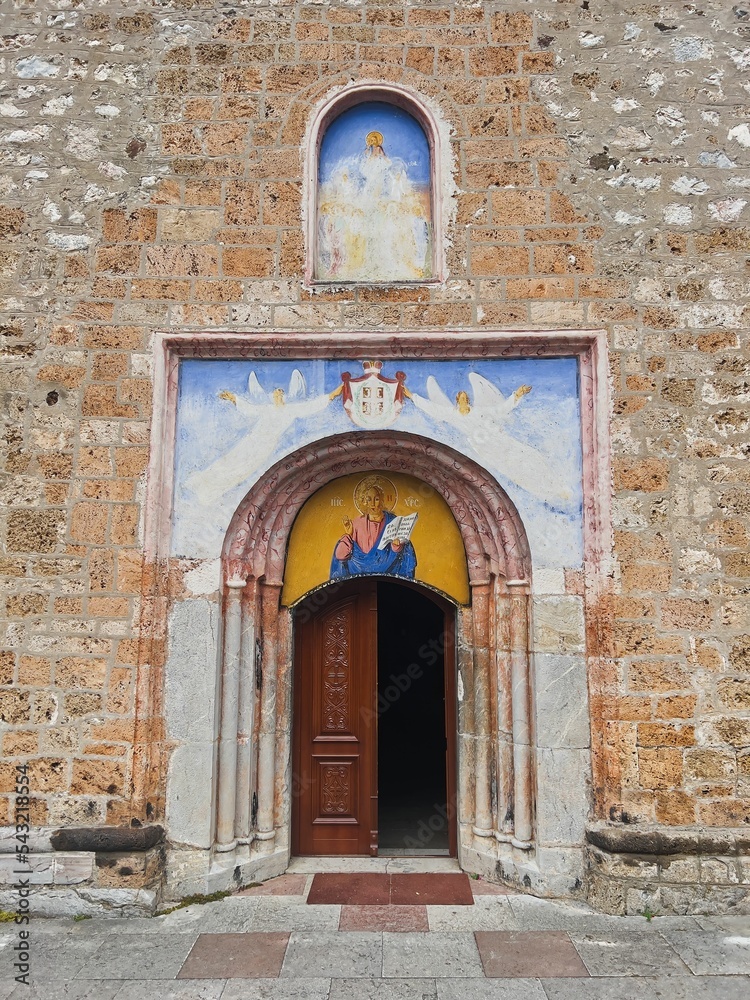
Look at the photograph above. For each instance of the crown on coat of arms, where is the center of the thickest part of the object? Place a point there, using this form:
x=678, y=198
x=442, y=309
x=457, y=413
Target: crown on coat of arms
x=371, y=367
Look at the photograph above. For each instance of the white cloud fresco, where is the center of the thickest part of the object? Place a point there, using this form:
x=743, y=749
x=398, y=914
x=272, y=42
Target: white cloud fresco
x=519, y=419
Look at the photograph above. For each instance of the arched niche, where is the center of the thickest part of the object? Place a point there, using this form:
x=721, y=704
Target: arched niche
x=373, y=184
x=495, y=758
x=333, y=515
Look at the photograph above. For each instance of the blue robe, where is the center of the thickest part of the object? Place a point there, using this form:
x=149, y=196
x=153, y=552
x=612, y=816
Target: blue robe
x=380, y=562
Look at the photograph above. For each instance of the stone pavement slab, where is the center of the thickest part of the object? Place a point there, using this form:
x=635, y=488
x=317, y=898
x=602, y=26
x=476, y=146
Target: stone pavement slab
x=431, y=955
x=446, y=889
x=383, y=989
x=736, y=924
x=490, y=989
x=183, y=989
x=236, y=956
x=489, y=913
x=63, y=958
x=533, y=914
x=599, y=989
x=702, y=988
x=482, y=888
x=277, y=989
x=530, y=955
x=62, y=989
x=333, y=955
x=154, y=956
x=711, y=952
x=384, y=918
x=229, y=916
x=283, y=885
x=351, y=889
x=398, y=889
x=275, y=913
x=628, y=954
x=338, y=866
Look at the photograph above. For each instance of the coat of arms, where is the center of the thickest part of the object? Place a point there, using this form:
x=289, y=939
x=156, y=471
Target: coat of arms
x=371, y=400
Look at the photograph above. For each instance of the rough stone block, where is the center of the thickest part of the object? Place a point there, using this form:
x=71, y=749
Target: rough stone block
x=561, y=699
x=562, y=818
x=558, y=625
x=190, y=781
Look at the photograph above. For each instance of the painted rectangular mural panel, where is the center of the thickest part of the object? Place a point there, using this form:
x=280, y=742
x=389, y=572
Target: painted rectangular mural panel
x=518, y=418
x=374, y=208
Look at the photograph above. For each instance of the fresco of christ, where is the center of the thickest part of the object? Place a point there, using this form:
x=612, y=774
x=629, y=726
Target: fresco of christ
x=357, y=552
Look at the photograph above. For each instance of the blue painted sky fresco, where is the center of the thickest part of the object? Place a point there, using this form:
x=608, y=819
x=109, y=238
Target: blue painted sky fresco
x=403, y=139
x=531, y=445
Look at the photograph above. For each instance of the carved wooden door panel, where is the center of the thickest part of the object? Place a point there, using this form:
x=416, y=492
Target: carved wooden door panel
x=335, y=756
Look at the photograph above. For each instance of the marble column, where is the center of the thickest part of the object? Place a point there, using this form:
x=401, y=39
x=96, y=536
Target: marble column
x=504, y=750
x=482, y=711
x=230, y=679
x=520, y=681
x=246, y=719
x=269, y=600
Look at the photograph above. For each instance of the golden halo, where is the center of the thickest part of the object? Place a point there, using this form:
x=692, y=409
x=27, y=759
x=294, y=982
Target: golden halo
x=374, y=139
x=390, y=493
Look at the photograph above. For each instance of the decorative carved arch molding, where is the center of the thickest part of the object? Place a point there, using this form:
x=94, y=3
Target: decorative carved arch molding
x=495, y=731
x=437, y=134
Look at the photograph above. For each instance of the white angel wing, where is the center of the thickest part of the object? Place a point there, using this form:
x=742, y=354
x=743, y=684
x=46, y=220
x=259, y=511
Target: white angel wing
x=297, y=387
x=436, y=405
x=486, y=395
x=436, y=394
x=255, y=390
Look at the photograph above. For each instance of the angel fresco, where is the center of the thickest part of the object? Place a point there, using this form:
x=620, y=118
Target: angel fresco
x=269, y=415
x=482, y=423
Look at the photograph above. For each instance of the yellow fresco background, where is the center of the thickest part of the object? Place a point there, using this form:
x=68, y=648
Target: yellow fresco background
x=441, y=559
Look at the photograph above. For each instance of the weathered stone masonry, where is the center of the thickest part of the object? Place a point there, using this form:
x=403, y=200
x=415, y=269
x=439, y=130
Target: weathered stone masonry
x=152, y=169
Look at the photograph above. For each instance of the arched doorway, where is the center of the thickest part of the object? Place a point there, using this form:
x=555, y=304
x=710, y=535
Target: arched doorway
x=253, y=797
x=375, y=721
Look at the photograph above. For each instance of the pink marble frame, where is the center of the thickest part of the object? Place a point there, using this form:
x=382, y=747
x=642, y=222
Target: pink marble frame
x=493, y=534
x=407, y=100
x=493, y=630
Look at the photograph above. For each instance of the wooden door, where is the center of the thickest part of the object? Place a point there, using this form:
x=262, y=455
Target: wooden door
x=335, y=758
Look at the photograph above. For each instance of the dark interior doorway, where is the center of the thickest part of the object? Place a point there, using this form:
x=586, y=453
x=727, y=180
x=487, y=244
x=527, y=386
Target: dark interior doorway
x=413, y=798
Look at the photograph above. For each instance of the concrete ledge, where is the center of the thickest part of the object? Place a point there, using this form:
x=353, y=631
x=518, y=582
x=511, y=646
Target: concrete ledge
x=107, y=838
x=89, y=902
x=48, y=869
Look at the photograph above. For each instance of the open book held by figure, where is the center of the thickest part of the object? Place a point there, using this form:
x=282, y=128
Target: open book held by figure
x=377, y=542
x=398, y=530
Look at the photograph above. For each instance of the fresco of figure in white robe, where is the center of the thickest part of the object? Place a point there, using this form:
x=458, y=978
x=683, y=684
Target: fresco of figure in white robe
x=374, y=210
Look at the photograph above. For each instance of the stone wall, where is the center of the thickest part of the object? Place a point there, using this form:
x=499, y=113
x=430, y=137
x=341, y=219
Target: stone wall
x=151, y=178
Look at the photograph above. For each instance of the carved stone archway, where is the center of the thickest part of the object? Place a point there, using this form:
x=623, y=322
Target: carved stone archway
x=254, y=788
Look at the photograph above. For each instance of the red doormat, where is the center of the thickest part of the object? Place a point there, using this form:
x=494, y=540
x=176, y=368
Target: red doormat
x=450, y=889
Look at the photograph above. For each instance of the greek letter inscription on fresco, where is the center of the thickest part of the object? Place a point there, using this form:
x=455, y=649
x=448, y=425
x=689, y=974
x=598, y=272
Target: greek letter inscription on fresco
x=335, y=790
x=336, y=679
